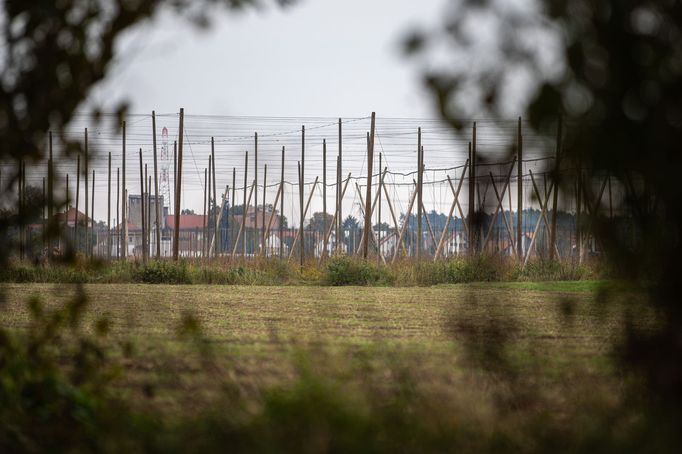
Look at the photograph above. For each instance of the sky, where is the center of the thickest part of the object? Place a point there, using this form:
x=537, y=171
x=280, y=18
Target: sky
x=270, y=71
x=315, y=58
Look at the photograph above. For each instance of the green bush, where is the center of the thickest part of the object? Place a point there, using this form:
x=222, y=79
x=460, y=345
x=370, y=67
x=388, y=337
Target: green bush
x=344, y=270
x=162, y=272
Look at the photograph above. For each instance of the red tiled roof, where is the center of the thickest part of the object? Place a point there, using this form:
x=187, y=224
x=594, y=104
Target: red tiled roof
x=187, y=221
x=71, y=216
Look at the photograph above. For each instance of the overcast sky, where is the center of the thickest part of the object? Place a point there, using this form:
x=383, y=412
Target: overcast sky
x=319, y=57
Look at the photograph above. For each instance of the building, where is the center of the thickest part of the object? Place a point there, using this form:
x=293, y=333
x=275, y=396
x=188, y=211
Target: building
x=254, y=218
x=135, y=209
x=71, y=216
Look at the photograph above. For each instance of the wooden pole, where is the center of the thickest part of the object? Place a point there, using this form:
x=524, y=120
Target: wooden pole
x=255, y=189
x=244, y=208
x=537, y=194
x=118, y=227
x=381, y=183
x=86, y=190
x=175, y=171
x=142, y=212
x=420, y=176
x=301, y=217
x=242, y=227
x=305, y=211
x=272, y=216
x=368, y=198
x=543, y=207
x=281, y=211
x=149, y=212
x=324, y=194
x=302, y=182
x=124, y=200
x=108, y=209
x=405, y=224
x=50, y=194
x=339, y=173
x=43, y=214
x=336, y=214
x=519, y=191
x=205, y=188
x=452, y=209
x=156, y=190
x=234, y=201
x=215, y=199
x=76, y=243
x=557, y=169
x=66, y=209
x=213, y=245
x=92, y=211
x=178, y=187
x=392, y=211
x=339, y=243
x=265, y=188
x=472, y=203
x=499, y=203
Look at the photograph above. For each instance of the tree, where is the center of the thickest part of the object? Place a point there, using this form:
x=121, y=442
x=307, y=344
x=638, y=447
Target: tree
x=613, y=70
x=351, y=223
x=187, y=211
x=319, y=221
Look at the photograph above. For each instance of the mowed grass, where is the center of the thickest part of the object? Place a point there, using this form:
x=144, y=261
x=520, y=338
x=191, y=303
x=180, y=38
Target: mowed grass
x=254, y=338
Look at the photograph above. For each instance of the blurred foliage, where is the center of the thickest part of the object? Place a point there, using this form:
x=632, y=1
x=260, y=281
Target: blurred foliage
x=613, y=70
x=338, y=270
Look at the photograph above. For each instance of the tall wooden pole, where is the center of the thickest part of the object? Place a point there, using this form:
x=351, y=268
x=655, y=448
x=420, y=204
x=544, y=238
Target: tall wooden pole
x=244, y=208
x=87, y=205
x=234, y=201
x=420, y=174
x=475, y=233
x=92, y=212
x=302, y=178
x=281, y=210
x=339, y=243
x=215, y=201
x=381, y=183
x=205, y=224
x=142, y=212
x=302, y=214
x=519, y=190
x=150, y=232
x=555, y=195
x=265, y=188
x=324, y=193
x=178, y=187
x=50, y=195
x=108, y=209
x=156, y=190
x=368, y=197
x=124, y=201
x=255, y=189
x=118, y=225
x=76, y=243
x=175, y=172
x=578, y=216
x=339, y=203
x=43, y=214
x=66, y=208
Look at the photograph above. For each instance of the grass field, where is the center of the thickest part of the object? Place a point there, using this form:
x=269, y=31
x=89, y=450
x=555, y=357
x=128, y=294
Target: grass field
x=254, y=338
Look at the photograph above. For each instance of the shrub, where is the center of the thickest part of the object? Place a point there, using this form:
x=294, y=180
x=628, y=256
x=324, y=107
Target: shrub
x=162, y=272
x=344, y=270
